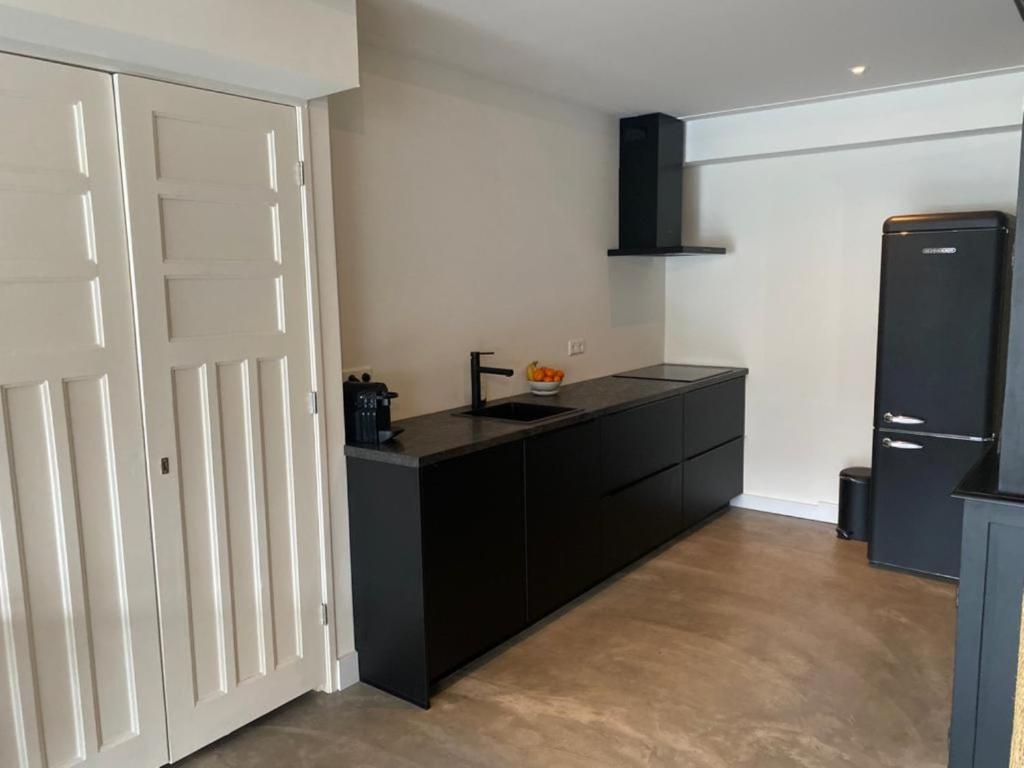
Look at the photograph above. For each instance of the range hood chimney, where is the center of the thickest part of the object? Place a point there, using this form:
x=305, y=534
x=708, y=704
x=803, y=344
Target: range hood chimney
x=651, y=154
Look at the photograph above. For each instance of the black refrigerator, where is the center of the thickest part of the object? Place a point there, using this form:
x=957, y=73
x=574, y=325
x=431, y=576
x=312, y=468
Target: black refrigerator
x=941, y=359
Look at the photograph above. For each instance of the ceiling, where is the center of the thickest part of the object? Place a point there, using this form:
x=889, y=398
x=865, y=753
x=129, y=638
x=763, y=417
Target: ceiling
x=689, y=57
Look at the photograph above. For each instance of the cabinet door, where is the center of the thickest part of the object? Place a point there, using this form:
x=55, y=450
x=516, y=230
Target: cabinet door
x=642, y=517
x=563, y=524
x=474, y=555
x=219, y=263
x=79, y=652
x=988, y=637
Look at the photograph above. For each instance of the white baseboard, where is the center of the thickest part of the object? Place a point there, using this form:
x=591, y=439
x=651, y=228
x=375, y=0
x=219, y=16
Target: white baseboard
x=822, y=511
x=348, y=670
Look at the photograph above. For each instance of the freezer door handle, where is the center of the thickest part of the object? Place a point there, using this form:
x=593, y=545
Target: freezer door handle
x=898, y=418
x=903, y=445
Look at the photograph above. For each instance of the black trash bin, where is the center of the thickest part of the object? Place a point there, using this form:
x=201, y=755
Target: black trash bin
x=854, y=503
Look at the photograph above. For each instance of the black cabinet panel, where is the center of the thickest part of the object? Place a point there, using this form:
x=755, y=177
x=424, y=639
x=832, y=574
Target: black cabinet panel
x=987, y=635
x=713, y=416
x=641, y=441
x=563, y=531
x=474, y=554
x=387, y=584
x=916, y=524
x=711, y=481
x=641, y=517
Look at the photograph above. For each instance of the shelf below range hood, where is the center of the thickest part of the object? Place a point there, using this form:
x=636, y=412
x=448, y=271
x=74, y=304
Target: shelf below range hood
x=651, y=154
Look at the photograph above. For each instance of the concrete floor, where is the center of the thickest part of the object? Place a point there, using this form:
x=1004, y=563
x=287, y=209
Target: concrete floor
x=757, y=641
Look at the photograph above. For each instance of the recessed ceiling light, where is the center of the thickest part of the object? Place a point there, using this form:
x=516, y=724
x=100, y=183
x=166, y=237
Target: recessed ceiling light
x=860, y=69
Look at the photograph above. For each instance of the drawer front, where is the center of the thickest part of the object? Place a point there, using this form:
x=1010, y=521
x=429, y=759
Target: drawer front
x=714, y=415
x=641, y=517
x=641, y=441
x=711, y=481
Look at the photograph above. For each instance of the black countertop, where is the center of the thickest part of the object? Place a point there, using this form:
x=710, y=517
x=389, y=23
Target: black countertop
x=435, y=437
x=982, y=483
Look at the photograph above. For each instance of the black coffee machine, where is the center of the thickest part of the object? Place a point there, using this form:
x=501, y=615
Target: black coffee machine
x=368, y=412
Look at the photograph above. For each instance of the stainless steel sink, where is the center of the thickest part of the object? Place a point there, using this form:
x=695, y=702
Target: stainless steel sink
x=516, y=411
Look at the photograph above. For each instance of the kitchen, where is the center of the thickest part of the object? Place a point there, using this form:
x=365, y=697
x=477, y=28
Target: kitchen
x=612, y=540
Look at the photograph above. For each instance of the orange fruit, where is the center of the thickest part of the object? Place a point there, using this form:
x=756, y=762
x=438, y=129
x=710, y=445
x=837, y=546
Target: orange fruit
x=559, y=376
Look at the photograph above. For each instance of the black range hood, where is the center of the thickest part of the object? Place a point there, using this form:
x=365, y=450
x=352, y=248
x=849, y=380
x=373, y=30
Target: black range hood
x=651, y=154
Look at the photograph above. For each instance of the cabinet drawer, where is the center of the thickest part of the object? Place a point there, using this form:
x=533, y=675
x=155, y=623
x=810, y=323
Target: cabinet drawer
x=639, y=518
x=639, y=442
x=713, y=416
x=711, y=481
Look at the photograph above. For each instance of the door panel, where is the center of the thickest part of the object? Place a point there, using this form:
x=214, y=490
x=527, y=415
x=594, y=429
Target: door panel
x=916, y=523
x=563, y=524
x=79, y=651
x=219, y=264
x=938, y=334
x=474, y=555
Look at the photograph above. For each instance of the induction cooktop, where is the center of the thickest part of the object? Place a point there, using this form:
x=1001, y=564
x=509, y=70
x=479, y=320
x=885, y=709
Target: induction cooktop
x=683, y=373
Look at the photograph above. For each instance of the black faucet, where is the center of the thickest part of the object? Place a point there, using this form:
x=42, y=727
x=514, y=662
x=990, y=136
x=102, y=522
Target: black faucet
x=475, y=369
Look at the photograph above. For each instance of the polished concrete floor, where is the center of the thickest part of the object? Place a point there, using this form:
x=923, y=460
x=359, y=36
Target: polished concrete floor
x=759, y=641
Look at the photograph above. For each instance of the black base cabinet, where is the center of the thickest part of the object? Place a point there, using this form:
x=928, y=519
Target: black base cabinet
x=452, y=558
x=988, y=633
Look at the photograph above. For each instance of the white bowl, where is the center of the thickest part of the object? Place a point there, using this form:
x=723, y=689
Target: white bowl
x=544, y=388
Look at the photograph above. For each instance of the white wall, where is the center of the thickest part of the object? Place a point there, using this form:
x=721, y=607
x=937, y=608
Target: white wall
x=796, y=297
x=298, y=49
x=471, y=215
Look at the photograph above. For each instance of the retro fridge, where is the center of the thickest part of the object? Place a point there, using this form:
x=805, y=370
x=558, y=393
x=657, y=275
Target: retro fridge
x=941, y=358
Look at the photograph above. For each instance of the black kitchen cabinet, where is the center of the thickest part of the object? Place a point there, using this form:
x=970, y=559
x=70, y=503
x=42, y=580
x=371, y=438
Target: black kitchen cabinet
x=641, y=517
x=638, y=442
x=563, y=532
x=711, y=481
x=473, y=555
x=438, y=565
x=988, y=633
x=454, y=555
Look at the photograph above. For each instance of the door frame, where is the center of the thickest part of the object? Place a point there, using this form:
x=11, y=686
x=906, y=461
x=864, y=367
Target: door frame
x=325, y=342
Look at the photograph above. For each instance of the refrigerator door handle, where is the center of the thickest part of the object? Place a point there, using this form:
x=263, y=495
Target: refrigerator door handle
x=897, y=418
x=903, y=445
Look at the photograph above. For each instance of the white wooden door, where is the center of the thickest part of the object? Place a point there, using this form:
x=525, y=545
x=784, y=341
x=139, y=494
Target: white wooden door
x=80, y=676
x=219, y=260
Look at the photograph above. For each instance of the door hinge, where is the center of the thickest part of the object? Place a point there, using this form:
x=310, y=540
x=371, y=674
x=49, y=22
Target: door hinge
x=300, y=172
x=314, y=405
x=323, y=614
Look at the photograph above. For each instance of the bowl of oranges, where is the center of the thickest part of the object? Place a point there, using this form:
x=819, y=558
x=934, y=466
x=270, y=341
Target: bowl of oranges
x=543, y=380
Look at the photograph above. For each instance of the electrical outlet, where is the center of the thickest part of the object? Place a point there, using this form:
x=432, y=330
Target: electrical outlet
x=358, y=373
x=577, y=347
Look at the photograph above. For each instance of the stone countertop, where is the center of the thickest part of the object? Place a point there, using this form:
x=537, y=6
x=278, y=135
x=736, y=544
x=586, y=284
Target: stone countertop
x=444, y=435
